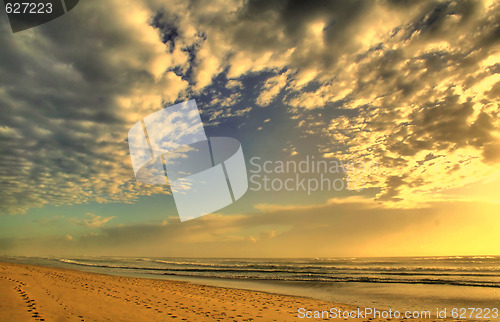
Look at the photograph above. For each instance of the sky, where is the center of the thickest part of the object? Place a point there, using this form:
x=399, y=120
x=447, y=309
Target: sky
x=399, y=98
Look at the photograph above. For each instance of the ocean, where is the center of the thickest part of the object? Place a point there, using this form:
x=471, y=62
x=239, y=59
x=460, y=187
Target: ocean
x=384, y=283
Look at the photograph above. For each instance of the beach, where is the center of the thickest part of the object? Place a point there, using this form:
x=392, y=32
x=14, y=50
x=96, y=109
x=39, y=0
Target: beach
x=29, y=293
x=54, y=294
x=96, y=288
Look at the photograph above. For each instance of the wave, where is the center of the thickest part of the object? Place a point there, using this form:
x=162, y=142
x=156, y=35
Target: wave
x=364, y=279
x=311, y=273
x=202, y=267
x=332, y=267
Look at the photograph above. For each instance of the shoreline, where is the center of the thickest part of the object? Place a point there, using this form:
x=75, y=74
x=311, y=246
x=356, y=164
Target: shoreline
x=43, y=293
x=48, y=294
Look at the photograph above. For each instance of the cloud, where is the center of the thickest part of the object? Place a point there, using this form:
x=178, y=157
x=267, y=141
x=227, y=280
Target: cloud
x=70, y=91
x=271, y=88
x=94, y=220
x=233, y=83
x=340, y=227
x=377, y=81
x=424, y=89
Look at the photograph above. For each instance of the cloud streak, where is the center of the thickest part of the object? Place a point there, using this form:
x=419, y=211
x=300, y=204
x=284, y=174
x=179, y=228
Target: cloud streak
x=340, y=227
x=94, y=221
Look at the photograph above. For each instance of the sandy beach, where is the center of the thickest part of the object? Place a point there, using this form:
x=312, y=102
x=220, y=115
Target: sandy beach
x=53, y=294
x=30, y=293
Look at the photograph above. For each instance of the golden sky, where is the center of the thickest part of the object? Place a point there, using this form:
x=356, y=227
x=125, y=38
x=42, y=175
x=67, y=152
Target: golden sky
x=411, y=87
